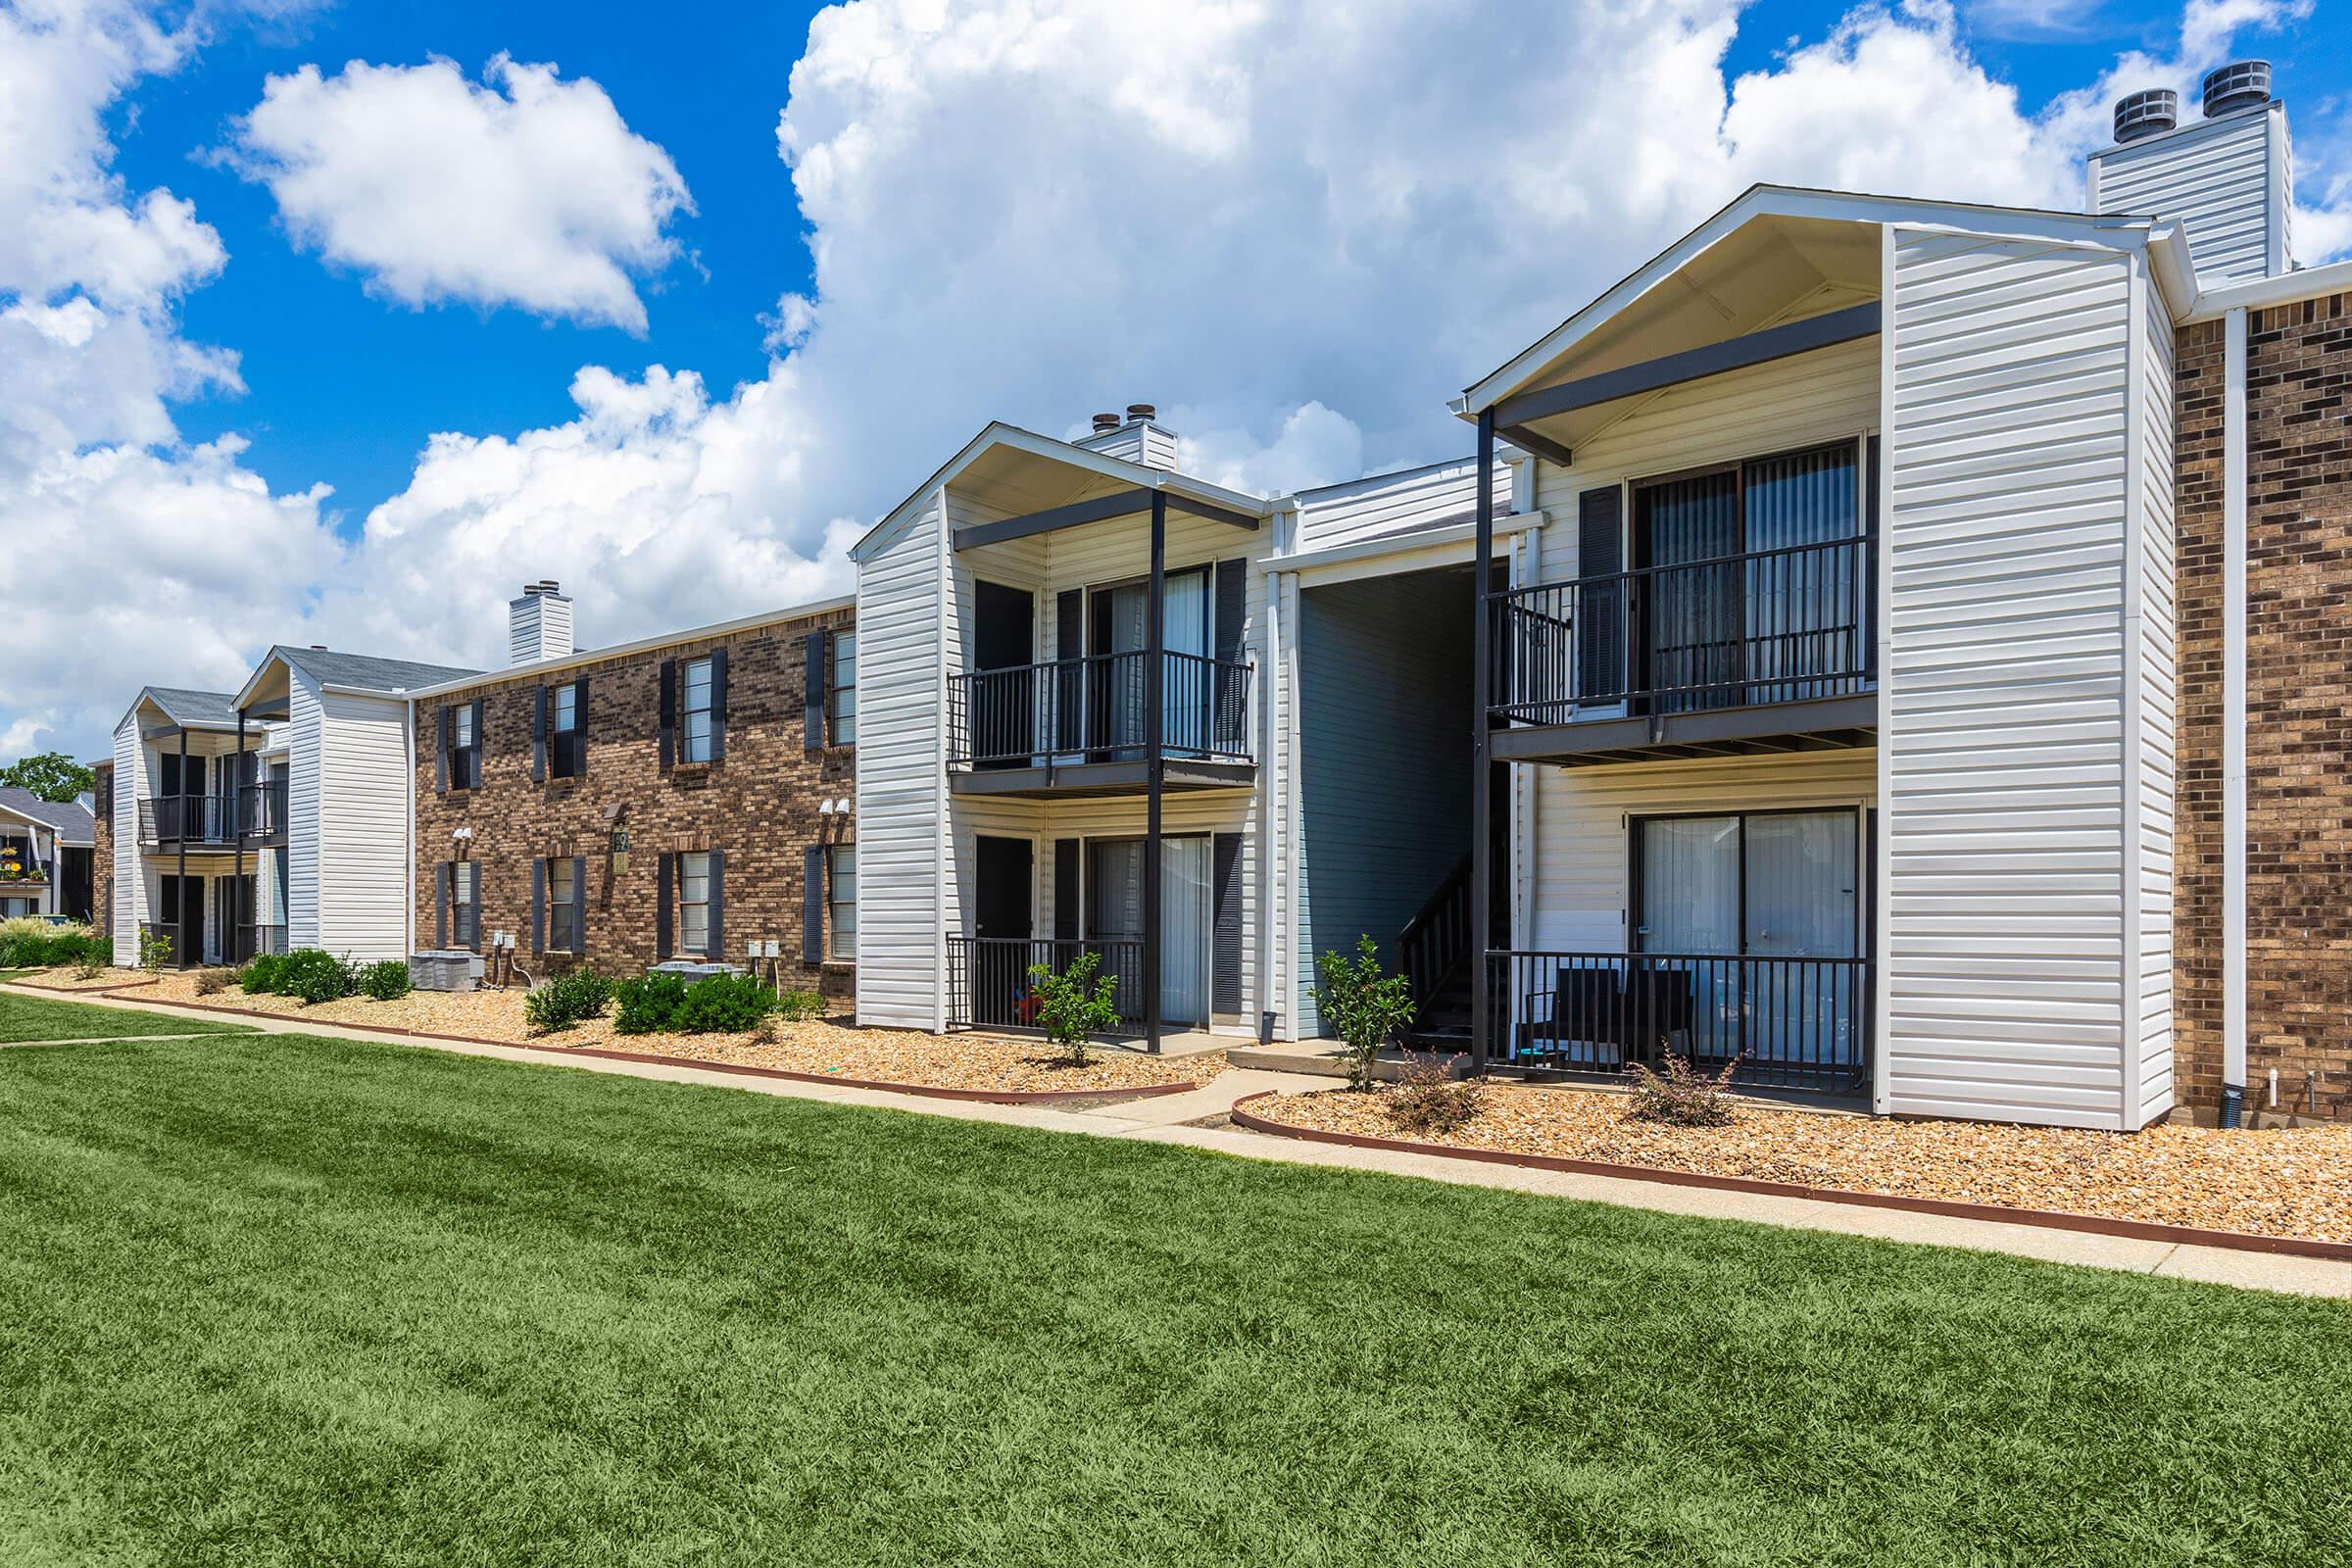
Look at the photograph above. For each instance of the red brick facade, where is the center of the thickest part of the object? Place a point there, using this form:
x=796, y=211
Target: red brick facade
x=102, y=851
x=759, y=806
x=2299, y=705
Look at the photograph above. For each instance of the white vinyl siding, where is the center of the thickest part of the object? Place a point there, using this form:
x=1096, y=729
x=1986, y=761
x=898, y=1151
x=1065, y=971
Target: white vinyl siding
x=358, y=797
x=1389, y=505
x=306, y=752
x=131, y=898
x=2012, y=538
x=2225, y=181
x=2158, y=710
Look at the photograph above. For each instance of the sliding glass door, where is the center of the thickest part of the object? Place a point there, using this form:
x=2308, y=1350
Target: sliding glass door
x=1121, y=625
x=1114, y=911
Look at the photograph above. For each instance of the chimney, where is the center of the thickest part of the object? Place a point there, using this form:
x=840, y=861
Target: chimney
x=539, y=623
x=1138, y=438
x=2228, y=178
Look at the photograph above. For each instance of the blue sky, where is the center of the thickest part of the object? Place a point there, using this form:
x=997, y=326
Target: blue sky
x=1296, y=229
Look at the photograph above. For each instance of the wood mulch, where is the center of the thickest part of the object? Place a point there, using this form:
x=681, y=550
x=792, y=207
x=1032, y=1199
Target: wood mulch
x=819, y=1046
x=2292, y=1181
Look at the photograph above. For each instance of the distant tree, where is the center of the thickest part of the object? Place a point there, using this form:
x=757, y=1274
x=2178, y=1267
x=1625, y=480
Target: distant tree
x=52, y=775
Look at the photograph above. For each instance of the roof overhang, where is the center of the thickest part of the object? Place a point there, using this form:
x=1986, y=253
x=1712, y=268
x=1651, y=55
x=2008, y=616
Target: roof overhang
x=272, y=679
x=540, y=667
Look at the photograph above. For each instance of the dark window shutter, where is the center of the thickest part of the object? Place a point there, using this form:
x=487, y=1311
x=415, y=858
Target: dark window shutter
x=579, y=904
x=1233, y=580
x=718, y=948
x=539, y=696
x=669, y=715
x=812, y=690
x=481, y=745
x=812, y=905
x=664, y=870
x=719, y=705
x=441, y=722
x=1600, y=620
x=193, y=780
x=538, y=906
x=441, y=904
x=1069, y=673
x=1225, y=945
x=1228, y=714
x=1068, y=898
x=578, y=760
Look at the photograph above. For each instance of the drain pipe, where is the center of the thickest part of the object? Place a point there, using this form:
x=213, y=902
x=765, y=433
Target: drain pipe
x=2234, y=718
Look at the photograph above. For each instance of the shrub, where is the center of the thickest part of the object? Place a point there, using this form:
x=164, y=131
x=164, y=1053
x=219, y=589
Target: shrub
x=722, y=1004
x=1074, y=1005
x=799, y=1007
x=212, y=982
x=264, y=974
x=317, y=976
x=155, y=950
x=386, y=980
x=564, y=1000
x=28, y=942
x=648, y=1003
x=1682, y=1096
x=1429, y=1099
x=1368, y=1009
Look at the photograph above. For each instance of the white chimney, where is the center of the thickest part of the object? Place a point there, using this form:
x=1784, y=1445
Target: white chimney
x=538, y=624
x=2227, y=178
x=1139, y=438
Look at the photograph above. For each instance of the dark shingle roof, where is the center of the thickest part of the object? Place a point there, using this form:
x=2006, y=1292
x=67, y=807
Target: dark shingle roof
x=364, y=672
x=74, y=825
x=185, y=706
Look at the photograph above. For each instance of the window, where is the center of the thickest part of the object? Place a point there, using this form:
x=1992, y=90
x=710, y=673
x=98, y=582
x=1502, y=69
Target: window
x=464, y=747
x=841, y=901
x=694, y=901
x=568, y=755
x=697, y=709
x=841, y=689
x=464, y=904
x=563, y=906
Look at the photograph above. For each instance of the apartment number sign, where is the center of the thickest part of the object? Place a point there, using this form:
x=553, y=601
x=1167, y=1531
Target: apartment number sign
x=620, y=849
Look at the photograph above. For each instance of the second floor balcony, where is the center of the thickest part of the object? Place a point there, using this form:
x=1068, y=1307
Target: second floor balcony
x=1086, y=725
x=1759, y=651
x=254, y=812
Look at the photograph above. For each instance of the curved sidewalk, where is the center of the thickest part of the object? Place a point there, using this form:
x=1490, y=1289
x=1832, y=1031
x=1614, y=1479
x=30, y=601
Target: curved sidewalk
x=1196, y=1120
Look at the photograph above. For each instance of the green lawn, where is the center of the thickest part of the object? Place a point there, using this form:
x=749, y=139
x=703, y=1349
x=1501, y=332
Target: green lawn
x=23, y=1018
x=269, y=1300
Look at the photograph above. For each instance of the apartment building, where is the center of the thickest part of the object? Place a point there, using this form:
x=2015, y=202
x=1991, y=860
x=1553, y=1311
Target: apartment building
x=686, y=797
x=45, y=849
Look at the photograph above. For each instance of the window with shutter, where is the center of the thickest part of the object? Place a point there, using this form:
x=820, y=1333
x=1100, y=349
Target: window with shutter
x=694, y=901
x=695, y=712
x=563, y=904
x=841, y=908
x=841, y=689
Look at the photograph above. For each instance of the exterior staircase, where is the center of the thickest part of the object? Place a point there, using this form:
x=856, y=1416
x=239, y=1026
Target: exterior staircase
x=1434, y=952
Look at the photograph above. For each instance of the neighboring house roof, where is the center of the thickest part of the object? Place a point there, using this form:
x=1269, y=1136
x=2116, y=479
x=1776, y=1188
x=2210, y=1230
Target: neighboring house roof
x=591, y=655
x=73, y=825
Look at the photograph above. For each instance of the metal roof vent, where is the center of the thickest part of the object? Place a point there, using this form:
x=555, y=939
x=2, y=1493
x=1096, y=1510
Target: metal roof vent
x=2241, y=84
x=1105, y=422
x=1141, y=413
x=2147, y=114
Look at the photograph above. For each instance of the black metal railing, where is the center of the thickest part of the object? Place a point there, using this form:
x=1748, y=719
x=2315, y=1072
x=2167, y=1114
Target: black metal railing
x=1767, y=626
x=189, y=818
x=1435, y=942
x=255, y=939
x=175, y=955
x=989, y=984
x=1791, y=1022
x=262, y=809
x=1095, y=709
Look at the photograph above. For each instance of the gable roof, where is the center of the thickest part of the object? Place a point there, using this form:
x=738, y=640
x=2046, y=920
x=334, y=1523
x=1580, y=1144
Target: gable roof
x=192, y=710
x=354, y=673
x=73, y=825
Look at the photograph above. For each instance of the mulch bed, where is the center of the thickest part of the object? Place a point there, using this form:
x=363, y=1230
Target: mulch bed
x=2287, y=1183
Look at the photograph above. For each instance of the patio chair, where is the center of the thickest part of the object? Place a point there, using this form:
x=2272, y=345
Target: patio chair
x=1586, y=1026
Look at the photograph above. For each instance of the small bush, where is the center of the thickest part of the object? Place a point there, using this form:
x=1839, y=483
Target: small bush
x=1075, y=1006
x=1430, y=1099
x=1682, y=1096
x=763, y=1033
x=28, y=942
x=264, y=974
x=722, y=1004
x=648, y=1003
x=155, y=951
x=318, y=976
x=385, y=981
x=1368, y=1009
x=799, y=1007
x=564, y=1000
x=212, y=982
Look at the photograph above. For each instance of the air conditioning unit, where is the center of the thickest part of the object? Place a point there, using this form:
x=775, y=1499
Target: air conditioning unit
x=694, y=971
x=447, y=970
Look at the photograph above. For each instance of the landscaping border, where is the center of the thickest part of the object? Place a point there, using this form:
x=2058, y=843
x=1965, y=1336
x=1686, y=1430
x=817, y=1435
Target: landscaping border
x=2046, y=1218
x=82, y=990
x=986, y=1097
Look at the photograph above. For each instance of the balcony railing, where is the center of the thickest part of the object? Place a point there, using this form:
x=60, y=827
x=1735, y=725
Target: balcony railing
x=989, y=985
x=1767, y=626
x=255, y=939
x=1791, y=1022
x=1095, y=709
x=188, y=818
x=262, y=809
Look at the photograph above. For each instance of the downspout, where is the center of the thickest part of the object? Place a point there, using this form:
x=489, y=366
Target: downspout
x=2233, y=716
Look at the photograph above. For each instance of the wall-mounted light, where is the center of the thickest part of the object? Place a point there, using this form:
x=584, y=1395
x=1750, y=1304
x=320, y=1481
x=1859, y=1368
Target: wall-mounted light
x=824, y=808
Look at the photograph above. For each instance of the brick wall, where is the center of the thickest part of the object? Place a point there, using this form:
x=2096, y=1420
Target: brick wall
x=760, y=805
x=2298, y=702
x=102, y=854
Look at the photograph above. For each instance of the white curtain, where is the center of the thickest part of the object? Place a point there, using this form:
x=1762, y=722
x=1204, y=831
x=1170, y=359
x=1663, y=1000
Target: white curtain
x=1184, y=930
x=1690, y=885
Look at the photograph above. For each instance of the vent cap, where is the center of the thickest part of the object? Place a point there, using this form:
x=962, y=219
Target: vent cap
x=2241, y=84
x=2151, y=113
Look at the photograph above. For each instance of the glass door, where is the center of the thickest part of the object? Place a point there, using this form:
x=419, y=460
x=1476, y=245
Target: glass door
x=1115, y=909
x=1121, y=620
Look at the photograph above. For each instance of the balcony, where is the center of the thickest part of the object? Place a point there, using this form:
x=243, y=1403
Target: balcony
x=1083, y=726
x=989, y=984
x=1764, y=650
x=205, y=821
x=1797, y=1023
x=261, y=810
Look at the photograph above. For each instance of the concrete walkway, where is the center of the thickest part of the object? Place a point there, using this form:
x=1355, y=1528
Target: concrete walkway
x=1178, y=1119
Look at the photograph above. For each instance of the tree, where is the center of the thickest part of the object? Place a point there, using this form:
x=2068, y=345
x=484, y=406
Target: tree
x=52, y=775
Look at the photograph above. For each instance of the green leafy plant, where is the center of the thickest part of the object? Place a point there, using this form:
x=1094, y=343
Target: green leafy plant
x=1430, y=1099
x=1075, y=1006
x=386, y=980
x=1368, y=1006
x=264, y=974
x=561, y=1000
x=648, y=1003
x=799, y=1007
x=28, y=942
x=155, y=951
x=316, y=976
x=52, y=775
x=722, y=1003
x=1681, y=1096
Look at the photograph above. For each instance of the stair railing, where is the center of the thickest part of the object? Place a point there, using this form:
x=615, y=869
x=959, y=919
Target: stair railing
x=1435, y=943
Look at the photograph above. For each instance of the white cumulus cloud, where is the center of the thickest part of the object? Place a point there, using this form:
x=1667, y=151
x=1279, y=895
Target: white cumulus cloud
x=522, y=189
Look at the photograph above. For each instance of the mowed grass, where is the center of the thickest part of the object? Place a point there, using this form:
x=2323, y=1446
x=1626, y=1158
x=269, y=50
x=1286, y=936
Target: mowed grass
x=267, y=1299
x=23, y=1018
